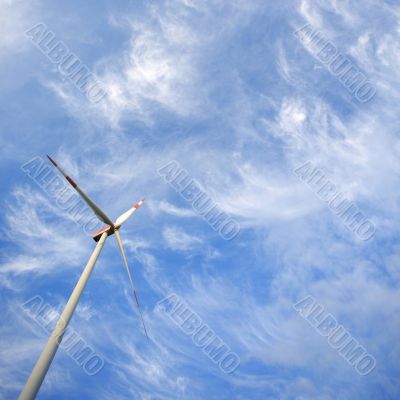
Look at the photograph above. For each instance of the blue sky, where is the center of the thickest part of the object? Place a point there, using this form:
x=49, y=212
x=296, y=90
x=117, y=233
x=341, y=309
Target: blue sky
x=229, y=91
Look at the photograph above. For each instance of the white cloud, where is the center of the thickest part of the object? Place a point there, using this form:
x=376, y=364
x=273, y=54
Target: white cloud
x=16, y=17
x=43, y=244
x=155, y=70
x=177, y=239
x=170, y=209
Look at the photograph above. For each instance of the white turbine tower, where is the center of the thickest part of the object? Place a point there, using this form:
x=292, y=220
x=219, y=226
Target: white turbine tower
x=42, y=365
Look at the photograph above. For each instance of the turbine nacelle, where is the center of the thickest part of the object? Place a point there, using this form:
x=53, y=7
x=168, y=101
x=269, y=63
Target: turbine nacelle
x=109, y=229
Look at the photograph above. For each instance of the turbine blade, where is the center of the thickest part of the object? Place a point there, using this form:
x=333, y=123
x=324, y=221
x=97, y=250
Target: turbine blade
x=96, y=209
x=126, y=215
x=130, y=278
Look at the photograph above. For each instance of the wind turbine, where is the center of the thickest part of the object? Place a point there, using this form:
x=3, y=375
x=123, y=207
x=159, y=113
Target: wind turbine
x=42, y=365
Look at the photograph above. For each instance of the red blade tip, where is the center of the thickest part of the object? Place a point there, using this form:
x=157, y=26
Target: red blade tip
x=52, y=161
x=71, y=181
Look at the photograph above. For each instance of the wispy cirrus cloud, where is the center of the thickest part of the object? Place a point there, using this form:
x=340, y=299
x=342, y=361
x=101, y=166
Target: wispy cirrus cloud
x=44, y=244
x=177, y=239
